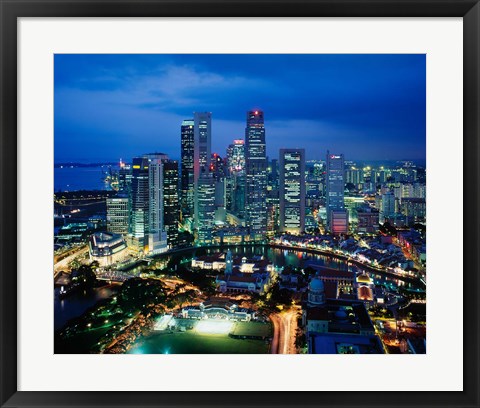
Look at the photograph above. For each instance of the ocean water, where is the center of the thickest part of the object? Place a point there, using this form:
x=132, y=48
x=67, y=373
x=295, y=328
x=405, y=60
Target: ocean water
x=80, y=178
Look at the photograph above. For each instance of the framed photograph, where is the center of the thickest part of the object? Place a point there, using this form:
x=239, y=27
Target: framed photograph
x=240, y=202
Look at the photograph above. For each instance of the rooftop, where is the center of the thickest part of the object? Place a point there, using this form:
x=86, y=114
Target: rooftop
x=333, y=343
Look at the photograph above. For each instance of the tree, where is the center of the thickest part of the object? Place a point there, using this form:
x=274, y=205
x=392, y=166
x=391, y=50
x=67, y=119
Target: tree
x=84, y=276
x=279, y=296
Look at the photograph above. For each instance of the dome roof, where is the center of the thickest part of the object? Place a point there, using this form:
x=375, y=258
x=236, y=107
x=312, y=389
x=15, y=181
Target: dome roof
x=364, y=278
x=316, y=284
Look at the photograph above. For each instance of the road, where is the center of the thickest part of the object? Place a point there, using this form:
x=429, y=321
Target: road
x=284, y=332
x=63, y=264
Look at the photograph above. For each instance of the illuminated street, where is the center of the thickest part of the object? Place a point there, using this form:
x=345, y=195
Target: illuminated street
x=63, y=265
x=284, y=326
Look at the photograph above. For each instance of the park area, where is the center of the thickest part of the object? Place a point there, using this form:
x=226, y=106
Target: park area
x=207, y=337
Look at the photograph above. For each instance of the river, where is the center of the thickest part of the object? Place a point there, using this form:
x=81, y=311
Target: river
x=286, y=257
x=76, y=304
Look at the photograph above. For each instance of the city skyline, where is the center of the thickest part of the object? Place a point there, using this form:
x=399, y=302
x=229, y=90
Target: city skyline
x=127, y=104
x=238, y=242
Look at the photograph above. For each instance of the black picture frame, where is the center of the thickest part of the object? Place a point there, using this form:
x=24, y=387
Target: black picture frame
x=12, y=9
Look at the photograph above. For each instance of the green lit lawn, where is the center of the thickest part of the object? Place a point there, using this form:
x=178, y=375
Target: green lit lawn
x=194, y=343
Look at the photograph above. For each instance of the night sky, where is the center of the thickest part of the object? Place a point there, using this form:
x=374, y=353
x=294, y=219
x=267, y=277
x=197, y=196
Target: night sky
x=369, y=107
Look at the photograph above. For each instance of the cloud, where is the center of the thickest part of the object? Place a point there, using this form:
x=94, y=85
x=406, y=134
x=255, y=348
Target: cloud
x=126, y=105
x=168, y=87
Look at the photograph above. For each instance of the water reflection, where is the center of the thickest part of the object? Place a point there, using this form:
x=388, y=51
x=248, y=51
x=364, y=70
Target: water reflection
x=76, y=304
x=286, y=257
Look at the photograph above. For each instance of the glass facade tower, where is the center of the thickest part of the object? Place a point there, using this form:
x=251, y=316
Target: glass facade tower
x=292, y=190
x=187, y=160
x=255, y=175
x=171, y=207
x=204, y=198
x=138, y=227
x=337, y=217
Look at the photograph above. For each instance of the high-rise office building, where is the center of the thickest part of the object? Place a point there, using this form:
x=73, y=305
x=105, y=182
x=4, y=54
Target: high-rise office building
x=171, y=207
x=273, y=212
x=387, y=206
x=204, y=198
x=202, y=150
x=335, y=190
x=218, y=167
x=157, y=237
x=235, y=182
x=202, y=130
x=139, y=215
x=187, y=167
x=236, y=156
x=273, y=174
x=239, y=195
x=205, y=215
x=118, y=214
x=335, y=182
x=292, y=190
x=125, y=178
x=256, y=175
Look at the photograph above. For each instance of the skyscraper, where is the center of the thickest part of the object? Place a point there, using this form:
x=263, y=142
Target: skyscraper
x=187, y=167
x=256, y=175
x=202, y=150
x=204, y=199
x=337, y=217
x=125, y=178
x=171, y=207
x=235, y=185
x=273, y=212
x=157, y=237
x=205, y=215
x=388, y=207
x=236, y=156
x=118, y=214
x=273, y=174
x=292, y=190
x=239, y=196
x=139, y=220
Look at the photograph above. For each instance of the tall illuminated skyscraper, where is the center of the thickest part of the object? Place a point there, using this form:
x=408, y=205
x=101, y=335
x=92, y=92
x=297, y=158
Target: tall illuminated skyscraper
x=292, y=190
x=205, y=219
x=235, y=190
x=337, y=216
x=171, y=208
x=118, y=214
x=204, y=198
x=236, y=156
x=202, y=150
x=139, y=220
x=187, y=167
x=157, y=237
x=256, y=175
x=388, y=207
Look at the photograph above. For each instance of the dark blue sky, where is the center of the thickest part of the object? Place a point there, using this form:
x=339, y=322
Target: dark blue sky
x=369, y=107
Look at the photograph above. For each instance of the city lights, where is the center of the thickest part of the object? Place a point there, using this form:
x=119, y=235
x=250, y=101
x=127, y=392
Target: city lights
x=214, y=327
x=241, y=230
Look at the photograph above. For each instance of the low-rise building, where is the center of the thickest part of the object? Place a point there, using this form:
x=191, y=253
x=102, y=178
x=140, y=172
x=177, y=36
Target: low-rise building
x=217, y=308
x=107, y=248
x=337, y=326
